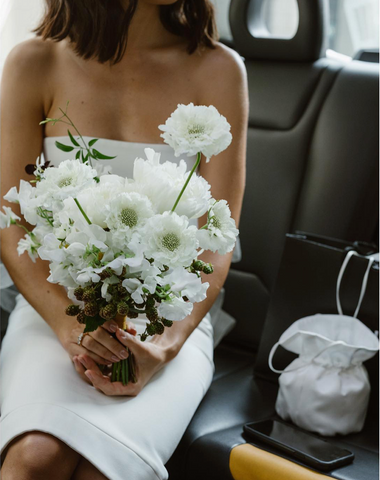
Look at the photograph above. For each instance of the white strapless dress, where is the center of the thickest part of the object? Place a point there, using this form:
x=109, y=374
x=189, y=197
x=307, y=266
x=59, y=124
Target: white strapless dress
x=124, y=437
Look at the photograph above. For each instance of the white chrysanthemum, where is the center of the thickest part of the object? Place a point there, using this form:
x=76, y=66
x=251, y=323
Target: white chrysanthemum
x=66, y=180
x=170, y=240
x=191, y=129
x=221, y=231
x=175, y=309
x=162, y=183
x=8, y=218
x=127, y=212
x=186, y=284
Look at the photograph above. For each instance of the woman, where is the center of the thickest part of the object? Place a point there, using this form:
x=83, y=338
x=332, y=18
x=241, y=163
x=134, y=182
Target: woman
x=124, y=66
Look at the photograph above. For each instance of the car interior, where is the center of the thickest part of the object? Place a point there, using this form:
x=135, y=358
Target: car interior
x=312, y=166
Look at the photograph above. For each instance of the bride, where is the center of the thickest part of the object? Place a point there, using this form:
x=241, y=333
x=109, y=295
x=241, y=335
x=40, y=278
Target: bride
x=124, y=66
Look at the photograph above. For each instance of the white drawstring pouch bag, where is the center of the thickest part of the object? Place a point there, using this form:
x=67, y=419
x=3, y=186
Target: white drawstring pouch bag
x=326, y=389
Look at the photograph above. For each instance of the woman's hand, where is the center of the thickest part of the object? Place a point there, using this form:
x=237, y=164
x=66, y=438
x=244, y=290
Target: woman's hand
x=99, y=346
x=150, y=357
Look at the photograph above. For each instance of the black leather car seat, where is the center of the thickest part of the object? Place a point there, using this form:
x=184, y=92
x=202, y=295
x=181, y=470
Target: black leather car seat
x=312, y=165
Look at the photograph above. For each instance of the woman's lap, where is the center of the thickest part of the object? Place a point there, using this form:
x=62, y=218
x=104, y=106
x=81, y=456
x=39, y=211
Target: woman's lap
x=41, y=391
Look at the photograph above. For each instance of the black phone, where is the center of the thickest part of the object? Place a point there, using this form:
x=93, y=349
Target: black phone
x=300, y=445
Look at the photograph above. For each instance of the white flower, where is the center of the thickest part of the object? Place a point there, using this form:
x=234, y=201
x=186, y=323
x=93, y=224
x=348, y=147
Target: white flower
x=12, y=195
x=191, y=129
x=175, y=309
x=29, y=244
x=221, y=231
x=8, y=218
x=169, y=240
x=66, y=180
x=94, y=200
x=162, y=183
x=128, y=212
x=186, y=284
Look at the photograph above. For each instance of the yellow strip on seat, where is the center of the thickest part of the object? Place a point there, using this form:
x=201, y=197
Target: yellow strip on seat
x=251, y=463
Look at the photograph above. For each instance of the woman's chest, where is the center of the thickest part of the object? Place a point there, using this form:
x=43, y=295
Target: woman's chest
x=125, y=102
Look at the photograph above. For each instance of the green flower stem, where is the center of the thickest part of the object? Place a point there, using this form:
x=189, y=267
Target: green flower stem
x=80, y=136
x=23, y=227
x=187, y=180
x=43, y=215
x=82, y=211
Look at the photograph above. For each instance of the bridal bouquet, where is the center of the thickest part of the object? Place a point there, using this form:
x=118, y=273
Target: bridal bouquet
x=128, y=246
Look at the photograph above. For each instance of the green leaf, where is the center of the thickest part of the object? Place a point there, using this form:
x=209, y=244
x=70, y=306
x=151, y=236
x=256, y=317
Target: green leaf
x=65, y=148
x=92, y=323
x=73, y=141
x=100, y=156
x=92, y=142
x=77, y=156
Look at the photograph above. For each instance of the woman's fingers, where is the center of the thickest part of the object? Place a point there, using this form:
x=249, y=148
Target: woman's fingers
x=80, y=369
x=103, y=382
x=93, y=345
x=130, y=341
x=110, y=326
x=110, y=343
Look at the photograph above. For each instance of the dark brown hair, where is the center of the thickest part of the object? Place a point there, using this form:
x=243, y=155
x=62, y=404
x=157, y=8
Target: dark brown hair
x=99, y=28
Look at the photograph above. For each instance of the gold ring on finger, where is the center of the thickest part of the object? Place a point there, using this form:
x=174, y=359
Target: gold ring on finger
x=81, y=337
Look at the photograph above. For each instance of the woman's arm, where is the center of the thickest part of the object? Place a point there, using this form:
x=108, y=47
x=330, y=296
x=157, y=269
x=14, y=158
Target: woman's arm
x=25, y=98
x=223, y=84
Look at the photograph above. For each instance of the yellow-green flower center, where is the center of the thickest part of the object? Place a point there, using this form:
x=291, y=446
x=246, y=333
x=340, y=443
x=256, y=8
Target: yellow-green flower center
x=65, y=182
x=170, y=241
x=196, y=129
x=129, y=217
x=216, y=222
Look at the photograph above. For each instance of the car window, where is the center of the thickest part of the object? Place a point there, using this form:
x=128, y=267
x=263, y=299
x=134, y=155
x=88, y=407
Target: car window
x=353, y=24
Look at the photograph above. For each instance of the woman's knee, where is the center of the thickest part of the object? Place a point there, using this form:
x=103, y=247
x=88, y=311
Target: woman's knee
x=38, y=453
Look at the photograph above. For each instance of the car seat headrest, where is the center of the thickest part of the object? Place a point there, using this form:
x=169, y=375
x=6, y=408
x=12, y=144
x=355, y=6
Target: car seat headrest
x=252, y=40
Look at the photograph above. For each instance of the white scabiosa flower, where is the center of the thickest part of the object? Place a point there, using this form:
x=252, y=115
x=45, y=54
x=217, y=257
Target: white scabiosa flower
x=8, y=218
x=66, y=180
x=127, y=213
x=170, y=240
x=175, y=309
x=162, y=183
x=192, y=129
x=221, y=232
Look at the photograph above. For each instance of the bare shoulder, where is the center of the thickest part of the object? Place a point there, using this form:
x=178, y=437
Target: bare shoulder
x=31, y=58
x=221, y=70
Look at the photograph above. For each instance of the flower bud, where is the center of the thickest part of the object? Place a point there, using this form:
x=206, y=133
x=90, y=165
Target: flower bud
x=198, y=265
x=207, y=268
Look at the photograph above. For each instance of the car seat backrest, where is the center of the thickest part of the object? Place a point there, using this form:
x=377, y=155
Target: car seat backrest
x=312, y=153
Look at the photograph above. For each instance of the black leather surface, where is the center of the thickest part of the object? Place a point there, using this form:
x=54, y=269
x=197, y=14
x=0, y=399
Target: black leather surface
x=306, y=45
x=311, y=165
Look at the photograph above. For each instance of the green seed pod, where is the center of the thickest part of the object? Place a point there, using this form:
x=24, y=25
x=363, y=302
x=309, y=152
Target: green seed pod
x=152, y=314
x=78, y=293
x=91, y=309
x=132, y=314
x=109, y=311
x=72, y=310
x=167, y=323
x=159, y=328
x=122, y=308
x=81, y=318
x=150, y=303
x=89, y=294
x=150, y=329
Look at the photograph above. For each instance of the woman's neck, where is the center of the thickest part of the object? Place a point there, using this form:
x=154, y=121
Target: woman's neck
x=146, y=30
